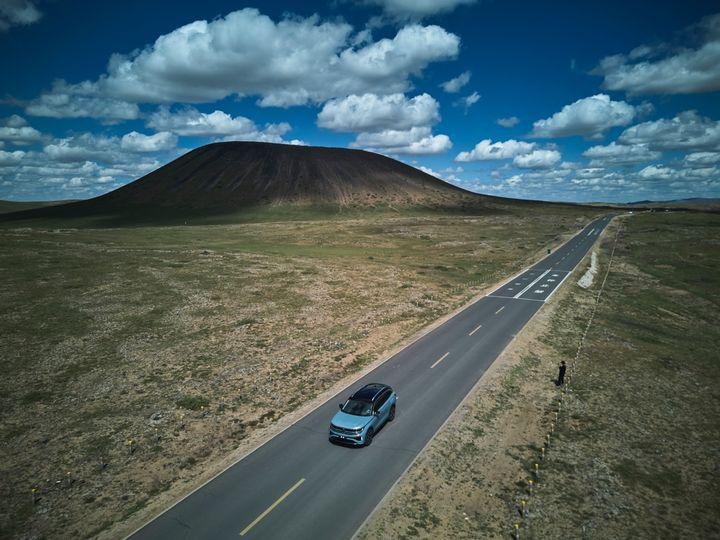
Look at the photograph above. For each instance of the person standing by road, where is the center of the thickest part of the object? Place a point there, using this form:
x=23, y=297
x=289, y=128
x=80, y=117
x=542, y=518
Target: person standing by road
x=561, y=373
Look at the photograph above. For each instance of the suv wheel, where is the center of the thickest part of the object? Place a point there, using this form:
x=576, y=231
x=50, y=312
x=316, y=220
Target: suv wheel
x=369, y=437
x=391, y=416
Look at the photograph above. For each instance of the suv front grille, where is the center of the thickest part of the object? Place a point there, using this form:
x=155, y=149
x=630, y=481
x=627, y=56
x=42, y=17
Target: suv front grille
x=344, y=431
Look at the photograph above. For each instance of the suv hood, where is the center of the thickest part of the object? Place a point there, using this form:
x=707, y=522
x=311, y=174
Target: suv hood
x=350, y=421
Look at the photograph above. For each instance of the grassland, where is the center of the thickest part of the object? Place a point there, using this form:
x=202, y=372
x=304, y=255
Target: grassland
x=637, y=454
x=135, y=358
x=635, y=451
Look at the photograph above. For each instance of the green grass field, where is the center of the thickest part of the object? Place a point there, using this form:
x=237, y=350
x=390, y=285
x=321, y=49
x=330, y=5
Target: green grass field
x=637, y=455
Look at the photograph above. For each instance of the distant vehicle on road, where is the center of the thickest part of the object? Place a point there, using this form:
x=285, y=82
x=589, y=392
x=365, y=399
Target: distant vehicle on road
x=363, y=414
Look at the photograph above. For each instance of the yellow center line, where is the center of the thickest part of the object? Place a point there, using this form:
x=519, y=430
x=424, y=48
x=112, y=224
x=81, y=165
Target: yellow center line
x=439, y=360
x=499, y=310
x=271, y=507
x=479, y=326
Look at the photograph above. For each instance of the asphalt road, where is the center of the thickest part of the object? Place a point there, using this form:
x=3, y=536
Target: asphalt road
x=299, y=485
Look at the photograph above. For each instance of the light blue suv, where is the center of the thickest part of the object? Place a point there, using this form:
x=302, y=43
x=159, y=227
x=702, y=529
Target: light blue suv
x=362, y=416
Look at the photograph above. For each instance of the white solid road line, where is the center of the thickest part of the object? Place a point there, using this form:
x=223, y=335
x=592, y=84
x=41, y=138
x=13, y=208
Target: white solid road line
x=443, y=357
x=518, y=295
x=479, y=326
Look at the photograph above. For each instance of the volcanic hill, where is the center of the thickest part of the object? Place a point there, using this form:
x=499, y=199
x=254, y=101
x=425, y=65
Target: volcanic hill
x=236, y=174
x=232, y=175
x=224, y=178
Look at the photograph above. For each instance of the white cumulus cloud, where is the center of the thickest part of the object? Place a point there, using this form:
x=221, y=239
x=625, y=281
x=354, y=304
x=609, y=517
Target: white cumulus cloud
x=687, y=71
x=537, y=159
x=17, y=13
x=15, y=121
x=487, y=150
x=81, y=148
x=291, y=62
x=701, y=159
x=687, y=131
x=16, y=131
x=454, y=85
x=416, y=141
x=370, y=112
x=589, y=117
x=508, y=122
x=10, y=158
x=656, y=172
x=81, y=101
x=469, y=101
x=119, y=152
x=619, y=154
x=188, y=121
x=137, y=142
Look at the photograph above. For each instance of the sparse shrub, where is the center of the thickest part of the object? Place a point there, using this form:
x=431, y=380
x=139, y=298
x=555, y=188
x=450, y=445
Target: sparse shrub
x=36, y=396
x=193, y=403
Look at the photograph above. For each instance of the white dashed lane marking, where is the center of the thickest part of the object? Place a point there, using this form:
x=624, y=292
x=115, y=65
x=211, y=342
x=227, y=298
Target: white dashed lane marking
x=443, y=357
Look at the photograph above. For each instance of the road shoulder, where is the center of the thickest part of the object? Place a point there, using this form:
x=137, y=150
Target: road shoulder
x=465, y=482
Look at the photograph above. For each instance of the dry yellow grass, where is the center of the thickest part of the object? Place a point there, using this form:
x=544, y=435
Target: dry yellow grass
x=136, y=360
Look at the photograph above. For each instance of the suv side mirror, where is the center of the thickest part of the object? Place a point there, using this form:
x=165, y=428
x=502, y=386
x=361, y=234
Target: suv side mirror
x=341, y=405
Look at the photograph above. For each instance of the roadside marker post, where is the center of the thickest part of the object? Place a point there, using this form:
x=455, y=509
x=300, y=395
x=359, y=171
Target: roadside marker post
x=574, y=365
x=517, y=531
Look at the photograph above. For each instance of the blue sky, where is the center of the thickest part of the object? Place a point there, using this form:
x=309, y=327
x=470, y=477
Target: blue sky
x=614, y=101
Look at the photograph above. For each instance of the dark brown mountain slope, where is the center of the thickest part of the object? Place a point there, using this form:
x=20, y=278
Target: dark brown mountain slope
x=235, y=174
x=223, y=178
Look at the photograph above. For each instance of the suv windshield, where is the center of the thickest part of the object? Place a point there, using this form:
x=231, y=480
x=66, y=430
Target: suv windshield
x=357, y=407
